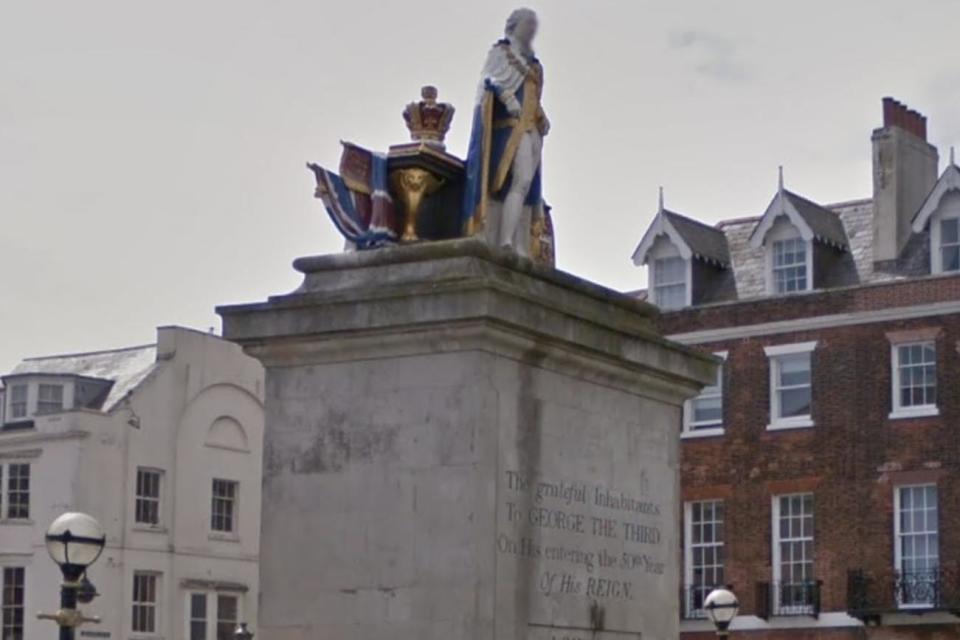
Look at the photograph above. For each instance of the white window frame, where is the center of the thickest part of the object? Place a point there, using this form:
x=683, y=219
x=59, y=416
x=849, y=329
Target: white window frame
x=777, y=570
x=25, y=402
x=5, y=495
x=21, y=606
x=899, y=411
x=897, y=533
x=212, y=610
x=686, y=282
x=773, y=354
x=234, y=530
x=155, y=604
x=688, y=546
x=137, y=498
x=787, y=231
x=58, y=405
x=693, y=429
x=936, y=241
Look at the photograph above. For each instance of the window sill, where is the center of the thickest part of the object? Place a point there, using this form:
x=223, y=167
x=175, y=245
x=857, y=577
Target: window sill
x=17, y=522
x=224, y=537
x=147, y=528
x=703, y=432
x=914, y=412
x=791, y=423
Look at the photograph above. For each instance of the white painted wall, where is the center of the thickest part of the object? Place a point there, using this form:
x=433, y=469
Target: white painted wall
x=87, y=461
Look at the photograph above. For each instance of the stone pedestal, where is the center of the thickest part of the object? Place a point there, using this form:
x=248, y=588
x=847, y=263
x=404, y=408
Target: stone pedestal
x=460, y=445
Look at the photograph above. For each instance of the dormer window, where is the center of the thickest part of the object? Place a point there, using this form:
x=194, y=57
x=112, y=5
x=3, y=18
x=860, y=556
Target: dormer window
x=941, y=214
x=791, y=232
x=49, y=399
x=789, y=265
x=950, y=245
x=683, y=257
x=18, y=401
x=670, y=282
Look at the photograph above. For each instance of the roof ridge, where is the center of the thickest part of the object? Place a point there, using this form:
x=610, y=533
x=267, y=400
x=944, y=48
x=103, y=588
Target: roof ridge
x=90, y=353
x=731, y=221
x=846, y=203
x=809, y=201
x=692, y=220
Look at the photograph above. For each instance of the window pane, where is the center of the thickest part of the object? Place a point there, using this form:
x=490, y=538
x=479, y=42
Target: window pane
x=18, y=401
x=198, y=616
x=950, y=257
x=13, y=602
x=795, y=545
x=49, y=398
x=223, y=506
x=707, y=411
x=670, y=282
x=917, y=374
x=918, y=545
x=148, y=497
x=226, y=617
x=789, y=265
x=18, y=491
x=144, y=602
x=795, y=402
x=950, y=231
x=705, y=553
x=669, y=270
x=794, y=369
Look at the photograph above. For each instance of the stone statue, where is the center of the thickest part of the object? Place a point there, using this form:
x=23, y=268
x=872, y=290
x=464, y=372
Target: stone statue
x=502, y=192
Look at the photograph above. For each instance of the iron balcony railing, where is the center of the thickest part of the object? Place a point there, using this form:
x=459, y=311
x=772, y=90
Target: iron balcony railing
x=873, y=593
x=691, y=601
x=788, y=599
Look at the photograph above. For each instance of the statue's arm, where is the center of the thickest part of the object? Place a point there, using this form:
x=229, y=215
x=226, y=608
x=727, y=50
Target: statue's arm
x=497, y=74
x=543, y=122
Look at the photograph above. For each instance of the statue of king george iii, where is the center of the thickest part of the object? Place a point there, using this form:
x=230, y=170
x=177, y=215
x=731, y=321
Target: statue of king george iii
x=502, y=195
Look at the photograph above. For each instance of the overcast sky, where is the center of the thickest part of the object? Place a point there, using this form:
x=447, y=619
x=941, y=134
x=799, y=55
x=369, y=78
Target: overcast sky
x=152, y=153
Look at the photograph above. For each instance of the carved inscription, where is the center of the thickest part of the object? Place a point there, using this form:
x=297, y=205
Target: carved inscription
x=583, y=539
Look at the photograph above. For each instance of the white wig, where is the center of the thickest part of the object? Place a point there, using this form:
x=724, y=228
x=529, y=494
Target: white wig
x=518, y=16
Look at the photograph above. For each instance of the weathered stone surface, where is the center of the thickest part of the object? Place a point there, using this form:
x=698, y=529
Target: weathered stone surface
x=461, y=445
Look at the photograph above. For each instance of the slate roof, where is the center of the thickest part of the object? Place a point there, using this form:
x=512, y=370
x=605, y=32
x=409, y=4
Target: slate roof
x=853, y=221
x=126, y=368
x=825, y=224
x=706, y=242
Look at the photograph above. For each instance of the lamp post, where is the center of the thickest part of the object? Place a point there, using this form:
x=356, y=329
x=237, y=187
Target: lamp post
x=74, y=541
x=721, y=606
x=242, y=633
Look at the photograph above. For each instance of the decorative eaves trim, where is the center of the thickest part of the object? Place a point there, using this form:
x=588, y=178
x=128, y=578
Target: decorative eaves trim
x=659, y=227
x=779, y=206
x=949, y=181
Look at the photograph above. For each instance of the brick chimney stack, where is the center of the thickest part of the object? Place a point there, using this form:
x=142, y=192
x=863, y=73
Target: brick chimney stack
x=904, y=171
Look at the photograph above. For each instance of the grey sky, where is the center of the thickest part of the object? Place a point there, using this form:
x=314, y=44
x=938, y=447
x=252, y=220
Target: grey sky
x=152, y=154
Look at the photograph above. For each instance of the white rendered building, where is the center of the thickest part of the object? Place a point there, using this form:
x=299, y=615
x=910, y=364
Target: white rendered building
x=163, y=445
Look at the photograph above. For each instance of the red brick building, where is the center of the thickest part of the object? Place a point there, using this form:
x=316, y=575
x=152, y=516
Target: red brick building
x=821, y=475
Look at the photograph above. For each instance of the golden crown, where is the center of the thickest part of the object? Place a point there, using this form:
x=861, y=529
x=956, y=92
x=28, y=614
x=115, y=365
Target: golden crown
x=428, y=120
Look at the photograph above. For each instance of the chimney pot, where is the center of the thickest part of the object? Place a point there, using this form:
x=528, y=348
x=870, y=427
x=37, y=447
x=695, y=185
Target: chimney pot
x=915, y=123
x=904, y=170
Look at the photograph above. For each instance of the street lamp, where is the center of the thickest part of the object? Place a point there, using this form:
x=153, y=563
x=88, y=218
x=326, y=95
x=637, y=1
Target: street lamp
x=722, y=607
x=74, y=541
x=242, y=633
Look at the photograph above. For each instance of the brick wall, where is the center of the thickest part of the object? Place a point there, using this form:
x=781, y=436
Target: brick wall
x=872, y=297
x=851, y=459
